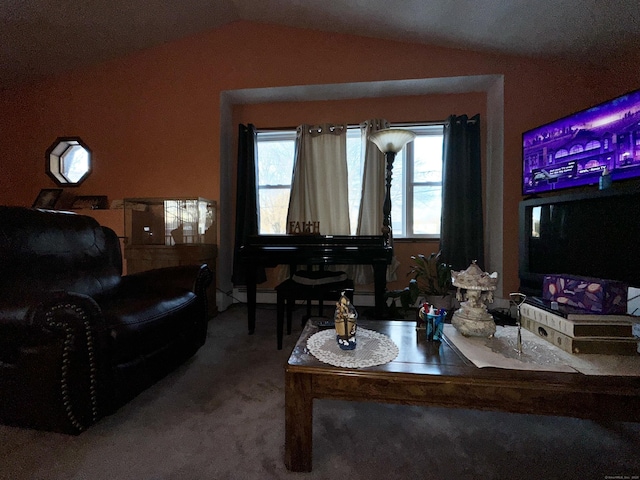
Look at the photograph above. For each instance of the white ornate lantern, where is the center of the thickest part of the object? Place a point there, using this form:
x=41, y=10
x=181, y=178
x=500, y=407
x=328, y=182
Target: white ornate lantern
x=472, y=318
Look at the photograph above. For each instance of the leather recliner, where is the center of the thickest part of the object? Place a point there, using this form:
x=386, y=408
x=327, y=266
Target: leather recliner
x=77, y=338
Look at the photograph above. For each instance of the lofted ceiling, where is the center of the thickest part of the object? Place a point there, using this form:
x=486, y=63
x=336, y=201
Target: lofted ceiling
x=41, y=37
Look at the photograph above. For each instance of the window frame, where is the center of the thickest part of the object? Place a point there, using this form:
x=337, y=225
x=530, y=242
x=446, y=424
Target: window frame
x=272, y=135
x=405, y=156
x=55, y=157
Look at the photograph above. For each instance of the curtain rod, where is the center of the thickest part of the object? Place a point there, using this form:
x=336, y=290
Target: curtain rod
x=420, y=124
x=331, y=127
x=288, y=129
x=471, y=120
x=395, y=124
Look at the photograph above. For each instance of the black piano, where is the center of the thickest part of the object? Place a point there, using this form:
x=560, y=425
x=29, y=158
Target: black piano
x=272, y=250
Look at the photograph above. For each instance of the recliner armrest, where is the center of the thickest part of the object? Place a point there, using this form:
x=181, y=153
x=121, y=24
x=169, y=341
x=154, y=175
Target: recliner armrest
x=195, y=278
x=57, y=343
x=28, y=309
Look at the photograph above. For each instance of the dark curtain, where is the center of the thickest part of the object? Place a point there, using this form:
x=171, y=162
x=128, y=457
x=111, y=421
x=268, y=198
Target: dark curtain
x=461, y=229
x=246, y=201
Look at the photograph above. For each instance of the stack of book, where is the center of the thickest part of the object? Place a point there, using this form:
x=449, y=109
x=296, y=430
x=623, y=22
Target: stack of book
x=577, y=331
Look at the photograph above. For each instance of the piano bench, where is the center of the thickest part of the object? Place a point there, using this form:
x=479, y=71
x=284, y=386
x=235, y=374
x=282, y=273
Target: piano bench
x=289, y=291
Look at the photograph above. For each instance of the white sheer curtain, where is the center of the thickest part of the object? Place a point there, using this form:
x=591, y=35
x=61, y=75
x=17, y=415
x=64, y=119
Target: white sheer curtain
x=319, y=189
x=373, y=176
x=372, y=198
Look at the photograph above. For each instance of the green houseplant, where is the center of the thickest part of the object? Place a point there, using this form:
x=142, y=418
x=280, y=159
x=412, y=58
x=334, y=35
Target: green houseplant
x=431, y=282
x=433, y=276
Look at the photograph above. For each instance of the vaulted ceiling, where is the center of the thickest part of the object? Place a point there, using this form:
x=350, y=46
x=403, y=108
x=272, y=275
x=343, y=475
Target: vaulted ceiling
x=41, y=37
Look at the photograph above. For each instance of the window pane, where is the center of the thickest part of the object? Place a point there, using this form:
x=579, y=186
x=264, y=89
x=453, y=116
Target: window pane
x=275, y=154
x=275, y=162
x=355, y=164
x=397, y=197
x=273, y=206
x=75, y=163
x=427, y=203
x=68, y=161
x=415, y=191
x=428, y=159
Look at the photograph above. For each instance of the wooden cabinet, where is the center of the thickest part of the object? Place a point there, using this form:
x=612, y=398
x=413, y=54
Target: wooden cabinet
x=146, y=257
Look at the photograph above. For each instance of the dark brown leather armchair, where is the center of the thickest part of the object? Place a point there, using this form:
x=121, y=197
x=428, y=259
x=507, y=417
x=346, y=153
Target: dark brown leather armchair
x=78, y=339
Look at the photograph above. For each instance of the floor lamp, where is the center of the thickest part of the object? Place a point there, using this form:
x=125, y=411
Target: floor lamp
x=390, y=141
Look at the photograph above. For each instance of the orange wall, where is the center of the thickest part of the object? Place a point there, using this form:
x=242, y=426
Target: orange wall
x=152, y=119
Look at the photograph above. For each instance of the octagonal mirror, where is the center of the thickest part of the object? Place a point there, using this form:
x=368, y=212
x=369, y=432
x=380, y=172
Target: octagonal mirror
x=68, y=161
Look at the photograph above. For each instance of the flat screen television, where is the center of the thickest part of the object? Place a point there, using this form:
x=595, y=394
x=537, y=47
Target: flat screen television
x=574, y=150
x=591, y=234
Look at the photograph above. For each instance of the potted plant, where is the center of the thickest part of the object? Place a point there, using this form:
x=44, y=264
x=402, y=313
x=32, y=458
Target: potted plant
x=431, y=283
x=433, y=279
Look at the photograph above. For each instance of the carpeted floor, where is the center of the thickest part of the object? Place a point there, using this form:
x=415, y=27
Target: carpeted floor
x=221, y=416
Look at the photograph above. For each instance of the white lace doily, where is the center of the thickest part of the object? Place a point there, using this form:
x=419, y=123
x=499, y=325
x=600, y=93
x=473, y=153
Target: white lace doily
x=372, y=348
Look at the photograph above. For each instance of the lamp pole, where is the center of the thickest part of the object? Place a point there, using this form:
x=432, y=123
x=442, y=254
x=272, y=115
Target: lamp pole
x=386, y=206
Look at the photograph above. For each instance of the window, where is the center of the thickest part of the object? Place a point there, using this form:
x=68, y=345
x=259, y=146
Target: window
x=275, y=152
x=415, y=189
x=576, y=149
x=68, y=161
x=592, y=145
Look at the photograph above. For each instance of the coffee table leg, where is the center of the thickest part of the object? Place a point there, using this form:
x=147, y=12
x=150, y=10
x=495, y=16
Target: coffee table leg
x=298, y=443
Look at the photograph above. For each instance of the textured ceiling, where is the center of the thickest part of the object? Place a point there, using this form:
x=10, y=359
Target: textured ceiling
x=41, y=37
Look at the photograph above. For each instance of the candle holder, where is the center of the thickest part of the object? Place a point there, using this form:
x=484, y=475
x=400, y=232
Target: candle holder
x=518, y=299
x=433, y=319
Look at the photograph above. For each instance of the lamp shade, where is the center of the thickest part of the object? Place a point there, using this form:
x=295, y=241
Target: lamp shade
x=391, y=139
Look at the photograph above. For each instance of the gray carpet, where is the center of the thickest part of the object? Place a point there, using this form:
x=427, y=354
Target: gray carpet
x=221, y=416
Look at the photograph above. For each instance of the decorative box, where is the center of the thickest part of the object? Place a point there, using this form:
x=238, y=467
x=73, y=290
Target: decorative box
x=594, y=295
x=170, y=221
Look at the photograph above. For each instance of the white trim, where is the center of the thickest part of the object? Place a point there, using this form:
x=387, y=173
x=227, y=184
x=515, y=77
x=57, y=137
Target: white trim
x=494, y=197
x=492, y=85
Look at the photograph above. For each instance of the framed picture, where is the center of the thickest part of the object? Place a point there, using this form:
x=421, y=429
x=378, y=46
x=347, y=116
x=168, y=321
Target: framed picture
x=93, y=202
x=47, y=198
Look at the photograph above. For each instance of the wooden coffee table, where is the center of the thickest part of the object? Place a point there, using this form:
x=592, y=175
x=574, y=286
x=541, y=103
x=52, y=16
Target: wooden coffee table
x=431, y=375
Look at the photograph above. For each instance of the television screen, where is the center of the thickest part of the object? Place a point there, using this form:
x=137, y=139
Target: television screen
x=574, y=150
x=591, y=234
